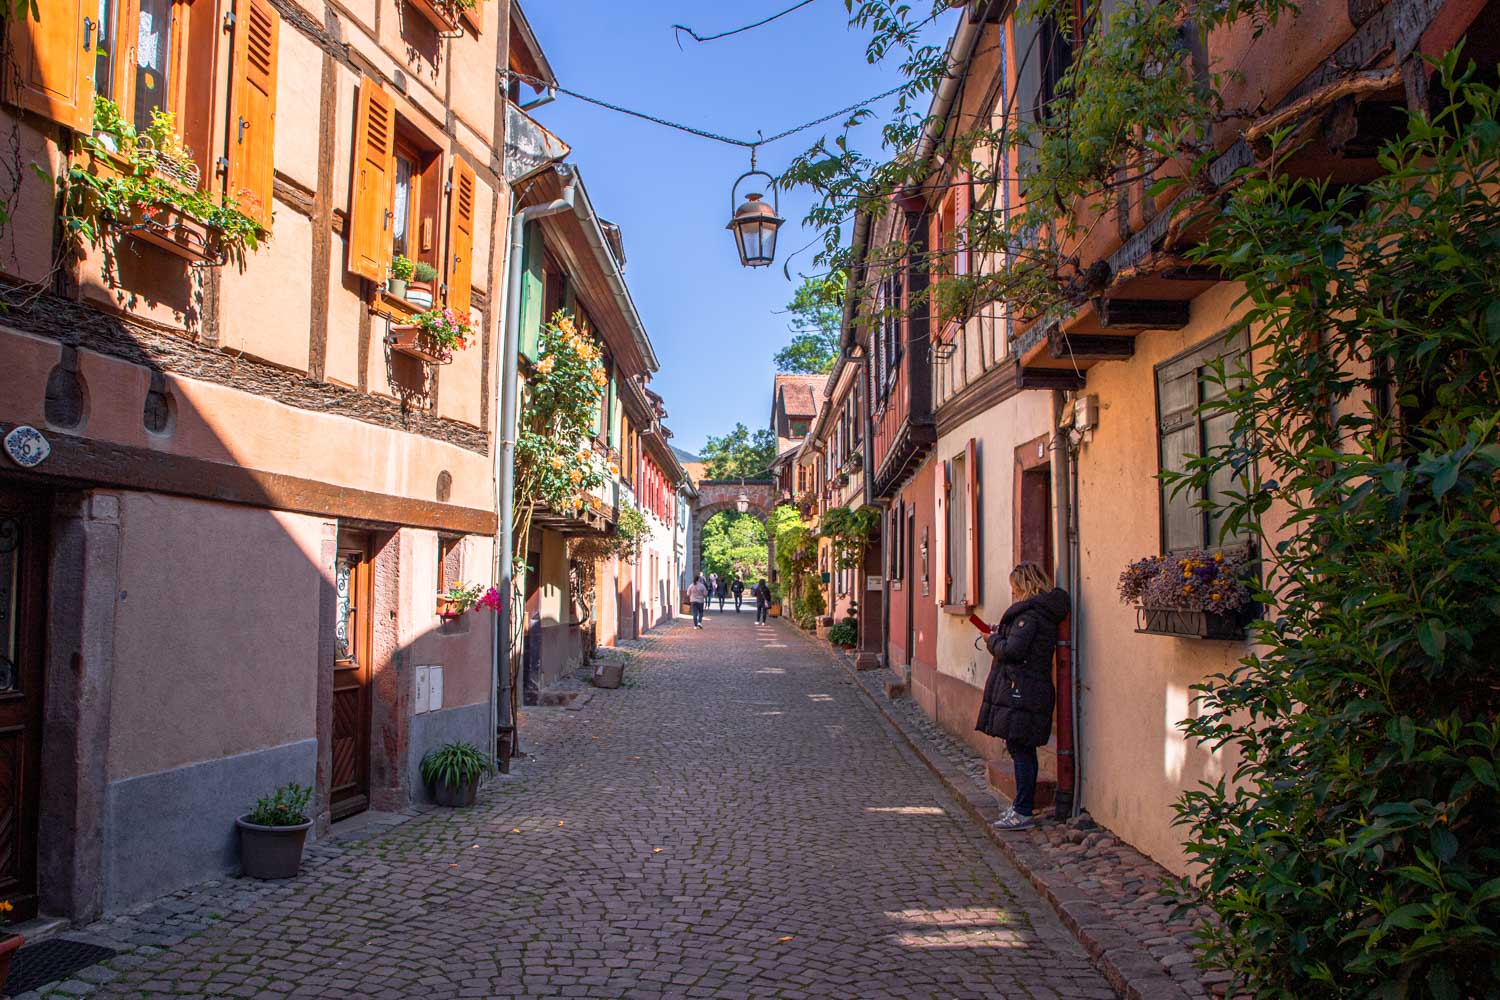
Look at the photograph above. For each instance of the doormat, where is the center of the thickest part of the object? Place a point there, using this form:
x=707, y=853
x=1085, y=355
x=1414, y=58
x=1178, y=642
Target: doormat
x=48, y=961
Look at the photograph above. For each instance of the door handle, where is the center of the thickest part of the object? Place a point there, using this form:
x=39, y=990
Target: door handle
x=240, y=138
x=88, y=34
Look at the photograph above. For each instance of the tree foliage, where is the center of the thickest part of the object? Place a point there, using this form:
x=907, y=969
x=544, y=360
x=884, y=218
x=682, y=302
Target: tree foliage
x=817, y=311
x=734, y=544
x=1356, y=849
x=796, y=562
x=739, y=454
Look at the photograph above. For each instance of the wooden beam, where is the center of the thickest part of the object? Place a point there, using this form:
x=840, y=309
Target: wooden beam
x=1049, y=378
x=92, y=463
x=1089, y=347
x=1142, y=314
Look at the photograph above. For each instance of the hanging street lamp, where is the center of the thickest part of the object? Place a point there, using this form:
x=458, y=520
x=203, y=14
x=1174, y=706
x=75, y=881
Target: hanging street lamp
x=754, y=223
x=743, y=501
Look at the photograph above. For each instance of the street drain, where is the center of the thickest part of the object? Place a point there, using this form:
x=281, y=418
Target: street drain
x=48, y=961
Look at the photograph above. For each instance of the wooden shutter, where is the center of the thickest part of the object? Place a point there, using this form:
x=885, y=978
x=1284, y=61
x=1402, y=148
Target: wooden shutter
x=52, y=71
x=252, y=130
x=934, y=269
x=963, y=193
x=944, y=522
x=374, y=175
x=533, y=289
x=971, y=467
x=460, y=237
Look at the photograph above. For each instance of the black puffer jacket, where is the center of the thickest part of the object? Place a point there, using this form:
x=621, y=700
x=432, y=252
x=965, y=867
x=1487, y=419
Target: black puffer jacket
x=1018, y=697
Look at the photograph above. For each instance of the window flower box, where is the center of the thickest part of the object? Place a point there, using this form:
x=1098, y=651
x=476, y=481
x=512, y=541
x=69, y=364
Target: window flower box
x=441, y=14
x=409, y=339
x=1229, y=626
x=172, y=230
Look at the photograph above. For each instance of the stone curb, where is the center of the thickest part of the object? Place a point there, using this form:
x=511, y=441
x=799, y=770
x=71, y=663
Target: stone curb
x=1131, y=971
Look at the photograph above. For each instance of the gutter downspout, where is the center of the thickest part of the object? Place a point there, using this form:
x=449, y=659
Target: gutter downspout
x=1065, y=533
x=505, y=455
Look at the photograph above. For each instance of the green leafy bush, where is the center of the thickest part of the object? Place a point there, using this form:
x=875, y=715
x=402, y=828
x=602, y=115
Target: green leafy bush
x=287, y=806
x=1355, y=849
x=844, y=634
x=454, y=765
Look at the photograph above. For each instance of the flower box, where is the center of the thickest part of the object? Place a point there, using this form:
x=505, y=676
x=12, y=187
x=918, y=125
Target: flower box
x=409, y=339
x=172, y=230
x=447, y=607
x=1193, y=624
x=442, y=15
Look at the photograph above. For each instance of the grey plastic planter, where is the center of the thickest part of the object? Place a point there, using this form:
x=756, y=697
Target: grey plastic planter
x=445, y=794
x=271, y=852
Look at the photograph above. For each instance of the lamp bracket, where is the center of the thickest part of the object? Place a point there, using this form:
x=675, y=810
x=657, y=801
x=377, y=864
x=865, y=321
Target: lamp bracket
x=752, y=172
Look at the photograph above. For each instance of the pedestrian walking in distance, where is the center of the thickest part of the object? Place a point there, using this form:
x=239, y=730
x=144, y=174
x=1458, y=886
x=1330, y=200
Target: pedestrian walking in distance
x=1018, y=697
x=713, y=587
x=737, y=588
x=723, y=592
x=697, y=594
x=762, y=595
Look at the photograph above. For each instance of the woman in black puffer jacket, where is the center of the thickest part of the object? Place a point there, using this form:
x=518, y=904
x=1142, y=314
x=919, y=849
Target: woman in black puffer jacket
x=1018, y=697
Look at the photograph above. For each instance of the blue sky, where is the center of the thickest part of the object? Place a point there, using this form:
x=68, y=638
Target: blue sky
x=715, y=324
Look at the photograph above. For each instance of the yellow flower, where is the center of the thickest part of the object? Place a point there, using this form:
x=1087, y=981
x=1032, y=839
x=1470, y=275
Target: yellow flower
x=599, y=377
x=565, y=325
x=545, y=365
x=557, y=461
x=575, y=476
x=1218, y=557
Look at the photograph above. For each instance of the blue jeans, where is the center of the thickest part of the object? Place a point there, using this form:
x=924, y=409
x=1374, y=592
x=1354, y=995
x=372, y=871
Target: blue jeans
x=1024, y=757
x=762, y=609
x=697, y=612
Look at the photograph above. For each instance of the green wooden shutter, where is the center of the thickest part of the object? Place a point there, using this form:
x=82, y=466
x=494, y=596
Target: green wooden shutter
x=614, y=419
x=533, y=290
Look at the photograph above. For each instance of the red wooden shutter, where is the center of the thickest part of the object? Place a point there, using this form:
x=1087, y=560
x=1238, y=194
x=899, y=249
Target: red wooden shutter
x=945, y=543
x=962, y=197
x=374, y=173
x=971, y=467
x=461, y=237
x=252, y=130
x=934, y=268
x=51, y=68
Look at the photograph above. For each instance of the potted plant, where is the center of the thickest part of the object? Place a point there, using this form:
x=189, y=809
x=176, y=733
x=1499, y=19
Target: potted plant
x=401, y=272
x=845, y=634
x=273, y=834
x=420, y=291
x=458, y=599
x=1196, y=594
x=452, y=771
x=432, y=336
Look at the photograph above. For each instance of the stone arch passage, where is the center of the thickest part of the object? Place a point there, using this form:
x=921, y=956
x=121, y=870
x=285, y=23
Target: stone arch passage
x=715, y=496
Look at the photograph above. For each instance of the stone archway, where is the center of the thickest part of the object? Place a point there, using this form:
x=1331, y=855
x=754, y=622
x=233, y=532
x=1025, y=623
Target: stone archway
x=715, y=496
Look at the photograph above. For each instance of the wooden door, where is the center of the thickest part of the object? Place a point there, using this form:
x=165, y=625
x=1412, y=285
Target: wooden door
x=23, y=583
x=354, y=602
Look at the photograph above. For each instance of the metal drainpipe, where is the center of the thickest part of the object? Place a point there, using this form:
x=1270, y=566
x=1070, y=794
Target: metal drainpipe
x=505, y=455
x=1067, y=687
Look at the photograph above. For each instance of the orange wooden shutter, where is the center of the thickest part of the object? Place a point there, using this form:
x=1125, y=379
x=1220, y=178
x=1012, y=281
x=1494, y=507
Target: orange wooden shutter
x=53, y=63
x=962, y=197
x=374, y=173
x=460, y=237
x=971, y=468
x=252, y=130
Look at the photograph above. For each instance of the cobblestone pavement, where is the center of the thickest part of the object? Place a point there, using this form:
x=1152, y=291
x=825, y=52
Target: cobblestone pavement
x=736, y=822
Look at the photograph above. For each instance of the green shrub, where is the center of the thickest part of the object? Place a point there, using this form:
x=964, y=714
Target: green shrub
x=454, y=764
x=287, y=806
x=844, y=634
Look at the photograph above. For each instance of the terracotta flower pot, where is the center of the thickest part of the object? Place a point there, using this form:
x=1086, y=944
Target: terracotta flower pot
x=271, y=852
x=9, y=945
x=410, y=340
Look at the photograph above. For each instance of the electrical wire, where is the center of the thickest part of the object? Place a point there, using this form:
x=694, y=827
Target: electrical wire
x=678, y=29
x=704, y=133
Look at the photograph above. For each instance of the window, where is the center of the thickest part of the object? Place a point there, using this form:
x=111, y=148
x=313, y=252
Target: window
x=449, y=567
x=159, y=56
x=1183, y=384
x=1056, y=50
x=948, y=254
x=961, y=536
x=897, y=541
x=799, y=428
x=402, y=191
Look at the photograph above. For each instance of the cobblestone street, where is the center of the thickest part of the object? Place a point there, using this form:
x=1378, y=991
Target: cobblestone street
x=735, y=821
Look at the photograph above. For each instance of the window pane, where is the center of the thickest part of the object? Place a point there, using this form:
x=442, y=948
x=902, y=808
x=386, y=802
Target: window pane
x=153, y=43
x=104, y=51
x=1216, y=434
x=401, y=208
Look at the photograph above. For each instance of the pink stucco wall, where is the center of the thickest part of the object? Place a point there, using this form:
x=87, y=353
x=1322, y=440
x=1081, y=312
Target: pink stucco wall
x=209, y=661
